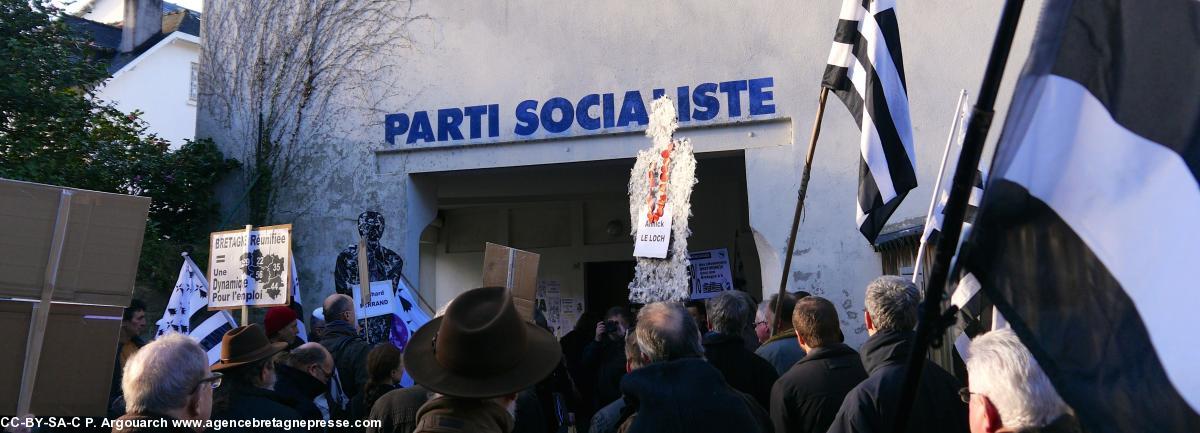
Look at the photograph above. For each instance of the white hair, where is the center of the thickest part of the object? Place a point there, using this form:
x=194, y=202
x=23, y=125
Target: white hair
x=1004, y=371
x=665, y=331
x=161, y=375
x=892, y=302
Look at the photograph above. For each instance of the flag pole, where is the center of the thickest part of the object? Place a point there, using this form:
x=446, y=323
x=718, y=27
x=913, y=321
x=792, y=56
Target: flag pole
x=937, y=186
x=791, y=243
x=932, y=320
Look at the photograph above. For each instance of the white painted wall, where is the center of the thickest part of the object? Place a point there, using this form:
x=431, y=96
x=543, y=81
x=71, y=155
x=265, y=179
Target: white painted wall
x=505, y=52
x=158, y=85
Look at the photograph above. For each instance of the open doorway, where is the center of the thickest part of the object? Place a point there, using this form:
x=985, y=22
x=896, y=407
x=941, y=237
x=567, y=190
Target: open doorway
x=606, y=285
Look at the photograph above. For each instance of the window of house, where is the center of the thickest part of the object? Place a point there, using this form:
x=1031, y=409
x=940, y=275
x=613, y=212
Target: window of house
x=195, y=82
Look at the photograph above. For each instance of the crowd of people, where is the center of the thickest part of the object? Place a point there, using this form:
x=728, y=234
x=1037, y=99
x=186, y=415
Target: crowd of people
x=479, y=366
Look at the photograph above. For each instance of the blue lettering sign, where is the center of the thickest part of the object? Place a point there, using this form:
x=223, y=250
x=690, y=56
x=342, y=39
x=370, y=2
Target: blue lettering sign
x=592, y=112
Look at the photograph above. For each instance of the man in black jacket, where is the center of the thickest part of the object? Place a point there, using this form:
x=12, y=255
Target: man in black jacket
x=724, y=348
x=806, y=398
x=676, y=390
x=872, y=405
x=604, y=357
x=246, y=393
x=349, y=349
x=304, y=377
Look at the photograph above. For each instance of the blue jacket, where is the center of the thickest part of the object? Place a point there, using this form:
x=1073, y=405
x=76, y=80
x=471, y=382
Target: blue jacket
x=782, y=351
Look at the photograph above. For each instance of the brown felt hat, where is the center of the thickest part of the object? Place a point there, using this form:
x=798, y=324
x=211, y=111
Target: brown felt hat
x=481, y=348
x=245, y=344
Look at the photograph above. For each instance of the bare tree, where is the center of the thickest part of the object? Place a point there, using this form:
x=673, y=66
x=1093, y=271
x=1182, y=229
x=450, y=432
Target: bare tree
x=281, y=78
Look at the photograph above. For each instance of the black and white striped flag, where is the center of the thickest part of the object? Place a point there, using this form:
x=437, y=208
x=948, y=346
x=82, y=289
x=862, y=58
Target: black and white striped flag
x=1086, y=239
x=187, y=312
x=296, y=306
x=866, y=71
x=933, y=227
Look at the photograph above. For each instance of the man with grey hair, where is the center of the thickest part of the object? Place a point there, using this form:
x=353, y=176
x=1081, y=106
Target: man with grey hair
x=725, y=349
x=1009, y=392
x=676, y=390
x=167, y=380
x=891, y=315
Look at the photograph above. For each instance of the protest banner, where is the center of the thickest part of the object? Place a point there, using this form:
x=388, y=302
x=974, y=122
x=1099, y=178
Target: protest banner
x=250, y=267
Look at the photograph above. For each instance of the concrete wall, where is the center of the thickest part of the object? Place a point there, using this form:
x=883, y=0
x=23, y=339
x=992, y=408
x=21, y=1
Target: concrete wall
x=158, y=85
x=506, y=52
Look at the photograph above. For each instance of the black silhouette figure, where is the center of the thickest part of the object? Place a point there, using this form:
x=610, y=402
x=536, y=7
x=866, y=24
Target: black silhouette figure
x=383, y=265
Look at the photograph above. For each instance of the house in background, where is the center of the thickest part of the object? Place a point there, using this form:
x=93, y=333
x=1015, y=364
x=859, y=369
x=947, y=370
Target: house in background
x=155, y=50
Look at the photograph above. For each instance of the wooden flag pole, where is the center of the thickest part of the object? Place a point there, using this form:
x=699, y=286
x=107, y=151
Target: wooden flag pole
x=933, y=321
x=791, y=243
x=245, y=309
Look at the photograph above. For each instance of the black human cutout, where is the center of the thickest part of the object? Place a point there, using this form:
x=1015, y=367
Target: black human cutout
x=383, y=265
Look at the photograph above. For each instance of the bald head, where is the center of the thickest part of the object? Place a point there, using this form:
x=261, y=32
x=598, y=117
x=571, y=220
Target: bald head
x=312, y=358
x=665, y=332
x=339, y=307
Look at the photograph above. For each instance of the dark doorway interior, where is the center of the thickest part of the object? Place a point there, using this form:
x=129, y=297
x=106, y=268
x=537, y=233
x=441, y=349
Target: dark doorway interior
x=606, y=284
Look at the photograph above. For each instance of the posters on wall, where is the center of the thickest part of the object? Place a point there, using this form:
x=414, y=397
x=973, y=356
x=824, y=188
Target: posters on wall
x=250, y=267
x=710, y=273
x=561, y=312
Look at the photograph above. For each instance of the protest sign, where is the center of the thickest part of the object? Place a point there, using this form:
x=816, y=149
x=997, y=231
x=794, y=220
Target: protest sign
x=653, y=238
x=381, y=302
x=710, y=273
x=250, y=267
x=515, y=270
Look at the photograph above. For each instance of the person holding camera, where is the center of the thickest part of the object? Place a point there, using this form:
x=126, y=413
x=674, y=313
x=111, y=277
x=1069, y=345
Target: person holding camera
x=604, y=356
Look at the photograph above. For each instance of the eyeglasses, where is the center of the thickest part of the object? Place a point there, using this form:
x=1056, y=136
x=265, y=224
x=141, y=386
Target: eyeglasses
x=215, y=379
x=757, y=324
x=965, y=394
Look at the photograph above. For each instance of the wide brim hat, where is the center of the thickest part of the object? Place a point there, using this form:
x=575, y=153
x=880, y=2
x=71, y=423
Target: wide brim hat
x=244, y=345
x=481, y=348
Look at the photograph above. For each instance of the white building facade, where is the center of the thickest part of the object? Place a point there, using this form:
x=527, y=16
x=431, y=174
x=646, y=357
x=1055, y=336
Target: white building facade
x=518, y=123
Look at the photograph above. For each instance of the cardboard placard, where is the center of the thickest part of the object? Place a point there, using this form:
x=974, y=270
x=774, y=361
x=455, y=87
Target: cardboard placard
x=76, y=366
x=250, y=267
x=515, y=270
x=100, y=252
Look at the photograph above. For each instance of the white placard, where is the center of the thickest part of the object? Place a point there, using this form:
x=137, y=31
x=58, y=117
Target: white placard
x=653, y=239
x=250, y=267
x=382, y=302
x=710, y=273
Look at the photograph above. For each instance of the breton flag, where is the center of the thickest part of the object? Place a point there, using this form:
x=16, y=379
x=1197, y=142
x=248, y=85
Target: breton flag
x=187, y=312
x=1086, y=239
x=296, y=306
x=866, y=71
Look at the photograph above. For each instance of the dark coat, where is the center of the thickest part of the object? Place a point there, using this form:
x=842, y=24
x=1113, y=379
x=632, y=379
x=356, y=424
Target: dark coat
x=349, y=355
x=806, y=398
x=397, y=410
x=866, y=409
x=604, y=363
x=742, y=369
x=167, y=420
x=688, y=395
x=302, y=388
x=255, y=403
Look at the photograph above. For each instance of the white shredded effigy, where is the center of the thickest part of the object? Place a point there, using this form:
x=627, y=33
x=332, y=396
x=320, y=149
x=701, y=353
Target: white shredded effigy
x=663, y=279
